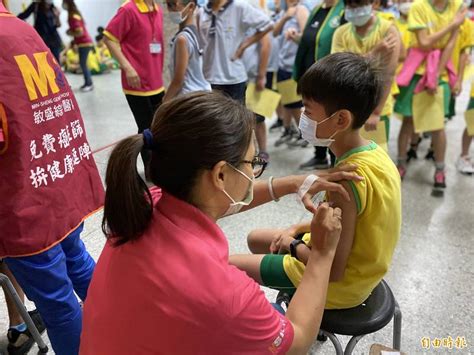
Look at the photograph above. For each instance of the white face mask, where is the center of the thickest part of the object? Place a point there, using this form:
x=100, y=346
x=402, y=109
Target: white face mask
x=309, y=128
x=405, y=8
x=358, y=16
x=235, y=207
x=176, y=17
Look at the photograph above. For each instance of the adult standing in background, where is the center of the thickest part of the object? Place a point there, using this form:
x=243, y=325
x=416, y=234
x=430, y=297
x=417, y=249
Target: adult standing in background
x=314, y=44
x=135, y=38
x=77, y=29
x=46, y=23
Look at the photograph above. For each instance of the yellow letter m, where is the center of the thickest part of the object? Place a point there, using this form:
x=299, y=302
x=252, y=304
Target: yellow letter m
x=37, y=79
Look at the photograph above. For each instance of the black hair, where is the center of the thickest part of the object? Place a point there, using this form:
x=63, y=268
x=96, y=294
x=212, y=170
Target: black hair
x=189, y=134
x=356, y=3
x=345, y=81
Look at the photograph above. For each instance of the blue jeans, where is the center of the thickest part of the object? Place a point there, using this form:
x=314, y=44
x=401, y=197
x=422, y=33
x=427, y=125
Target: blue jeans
x=83, y=54
x=51, y=280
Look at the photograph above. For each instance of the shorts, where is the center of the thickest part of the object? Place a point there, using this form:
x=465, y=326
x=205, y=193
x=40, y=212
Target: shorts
x=259, y=118
x=386, y=120
x=269, y=83
x=283, y=75
x=273, y=274
x=452, y=107
x=470, y=106
x=404, y=102
x=234, y=91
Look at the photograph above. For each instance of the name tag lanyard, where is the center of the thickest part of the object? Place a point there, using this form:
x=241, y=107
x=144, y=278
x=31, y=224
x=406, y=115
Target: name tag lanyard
x=155, y=46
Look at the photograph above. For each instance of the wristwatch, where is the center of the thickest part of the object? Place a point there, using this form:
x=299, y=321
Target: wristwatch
x=293, y=246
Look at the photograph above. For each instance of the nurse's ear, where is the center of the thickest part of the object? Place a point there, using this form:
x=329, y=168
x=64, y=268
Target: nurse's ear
x=218, y=175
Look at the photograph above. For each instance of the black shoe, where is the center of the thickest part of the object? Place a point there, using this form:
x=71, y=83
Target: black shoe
x=411, y=154
x=278, y=124
x=285, y=137
x=315, y=163
x=430, y=155
x=20, y=343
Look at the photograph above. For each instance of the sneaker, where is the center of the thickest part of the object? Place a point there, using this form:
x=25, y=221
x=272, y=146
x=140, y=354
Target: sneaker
x=402, y=170
x=430, y=155
x=465, y=166
x=315, y=163
x=285, y=137
x=87, y=88
x=277, y=125
x=297, y=142
x=411, y=154
x=440, y=180
x=20, y=343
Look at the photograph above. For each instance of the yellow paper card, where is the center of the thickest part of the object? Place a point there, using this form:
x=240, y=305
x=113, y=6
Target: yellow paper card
x=287, y=89
x=379, y=136
x=262, y=102
x=428, y=111
x=469, y=116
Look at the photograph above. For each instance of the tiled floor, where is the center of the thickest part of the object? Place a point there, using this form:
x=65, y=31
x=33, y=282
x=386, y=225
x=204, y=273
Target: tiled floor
x=432, y=269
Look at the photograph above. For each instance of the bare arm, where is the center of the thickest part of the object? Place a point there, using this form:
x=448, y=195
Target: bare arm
x=264, y=57
x=463, y=62
x=249, y=41
x=279, y=25
x=427, y=41
x=182, y=59
x=132, y=77
x=307, y=305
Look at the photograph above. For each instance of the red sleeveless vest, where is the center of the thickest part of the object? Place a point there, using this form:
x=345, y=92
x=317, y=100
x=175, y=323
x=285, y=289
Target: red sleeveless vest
x=49, y=182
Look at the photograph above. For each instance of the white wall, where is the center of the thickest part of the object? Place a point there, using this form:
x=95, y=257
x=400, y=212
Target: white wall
x=95, y=12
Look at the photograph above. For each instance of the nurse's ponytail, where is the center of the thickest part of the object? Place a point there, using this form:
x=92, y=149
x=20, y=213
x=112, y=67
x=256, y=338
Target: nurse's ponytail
x=189, y=134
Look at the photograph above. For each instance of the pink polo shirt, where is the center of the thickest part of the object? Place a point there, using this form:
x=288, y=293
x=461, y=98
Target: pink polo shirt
x=135, y=27
x=76, y=22
x=174, y=292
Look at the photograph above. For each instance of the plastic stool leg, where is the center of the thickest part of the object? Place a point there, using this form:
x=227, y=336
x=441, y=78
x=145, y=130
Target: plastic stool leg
x=4, y=280
x=352, y=344
x=397, y=327
x=334, y=340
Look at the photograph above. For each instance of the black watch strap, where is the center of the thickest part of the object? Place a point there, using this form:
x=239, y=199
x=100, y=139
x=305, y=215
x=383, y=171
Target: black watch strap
x=293, y=246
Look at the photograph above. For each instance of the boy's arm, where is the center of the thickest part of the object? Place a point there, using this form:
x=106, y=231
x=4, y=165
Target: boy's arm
x=390, y=63
x=463, y=62
x=249, y=41
x=349, y=218
x=264, y=57
x=181, y=64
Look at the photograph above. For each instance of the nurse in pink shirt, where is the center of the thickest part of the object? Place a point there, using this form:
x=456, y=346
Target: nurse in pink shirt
x=163, y=284
x=135, y=38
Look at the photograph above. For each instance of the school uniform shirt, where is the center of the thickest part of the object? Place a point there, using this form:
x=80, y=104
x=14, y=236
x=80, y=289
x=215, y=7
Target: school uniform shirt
x=288, y=48
x=251, y=58
x=194, y=77
x=49, y=182
x=138, y=30
x=76, y=22
x=222, y=33
x=465, y=41
x=378, y=199
x=346, y=39
x=172, y=291
x=423, y=15
x=276, y=41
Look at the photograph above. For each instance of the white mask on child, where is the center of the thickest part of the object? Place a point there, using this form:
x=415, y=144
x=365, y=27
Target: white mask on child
x=358, y=16
x=404, y=8
x=235, y=207
x=309, y=129
x=176, y=17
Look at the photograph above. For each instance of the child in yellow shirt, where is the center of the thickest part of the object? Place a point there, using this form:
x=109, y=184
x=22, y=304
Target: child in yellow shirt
x=340, y=92
x=363, y=33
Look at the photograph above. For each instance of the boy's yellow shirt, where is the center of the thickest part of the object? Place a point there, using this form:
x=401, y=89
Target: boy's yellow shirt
x=378, y=199
x=346, y=39
x=465, y=41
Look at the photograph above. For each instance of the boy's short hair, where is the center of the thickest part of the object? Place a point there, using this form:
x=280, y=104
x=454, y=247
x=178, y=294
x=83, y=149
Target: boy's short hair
x=344, y=81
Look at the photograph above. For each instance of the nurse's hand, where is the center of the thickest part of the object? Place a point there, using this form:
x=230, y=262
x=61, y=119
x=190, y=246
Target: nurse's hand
x=326, y=228
x=133, y=80
x=328, y=181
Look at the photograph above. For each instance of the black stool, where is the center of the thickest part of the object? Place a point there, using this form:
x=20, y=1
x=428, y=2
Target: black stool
x=4, y=280
x=371, y=316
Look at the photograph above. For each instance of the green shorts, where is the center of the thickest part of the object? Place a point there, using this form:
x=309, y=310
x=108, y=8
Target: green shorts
x=386, y=119
x=273, y=274
x=404, y=102
x=470, y=106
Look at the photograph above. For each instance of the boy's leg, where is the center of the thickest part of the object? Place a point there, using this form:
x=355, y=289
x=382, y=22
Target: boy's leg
x=466, y=143
x=267, y=270
x=45, y=281
x=259, y=240
x=404, y=137
x=439, y=147
x=80, y=264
